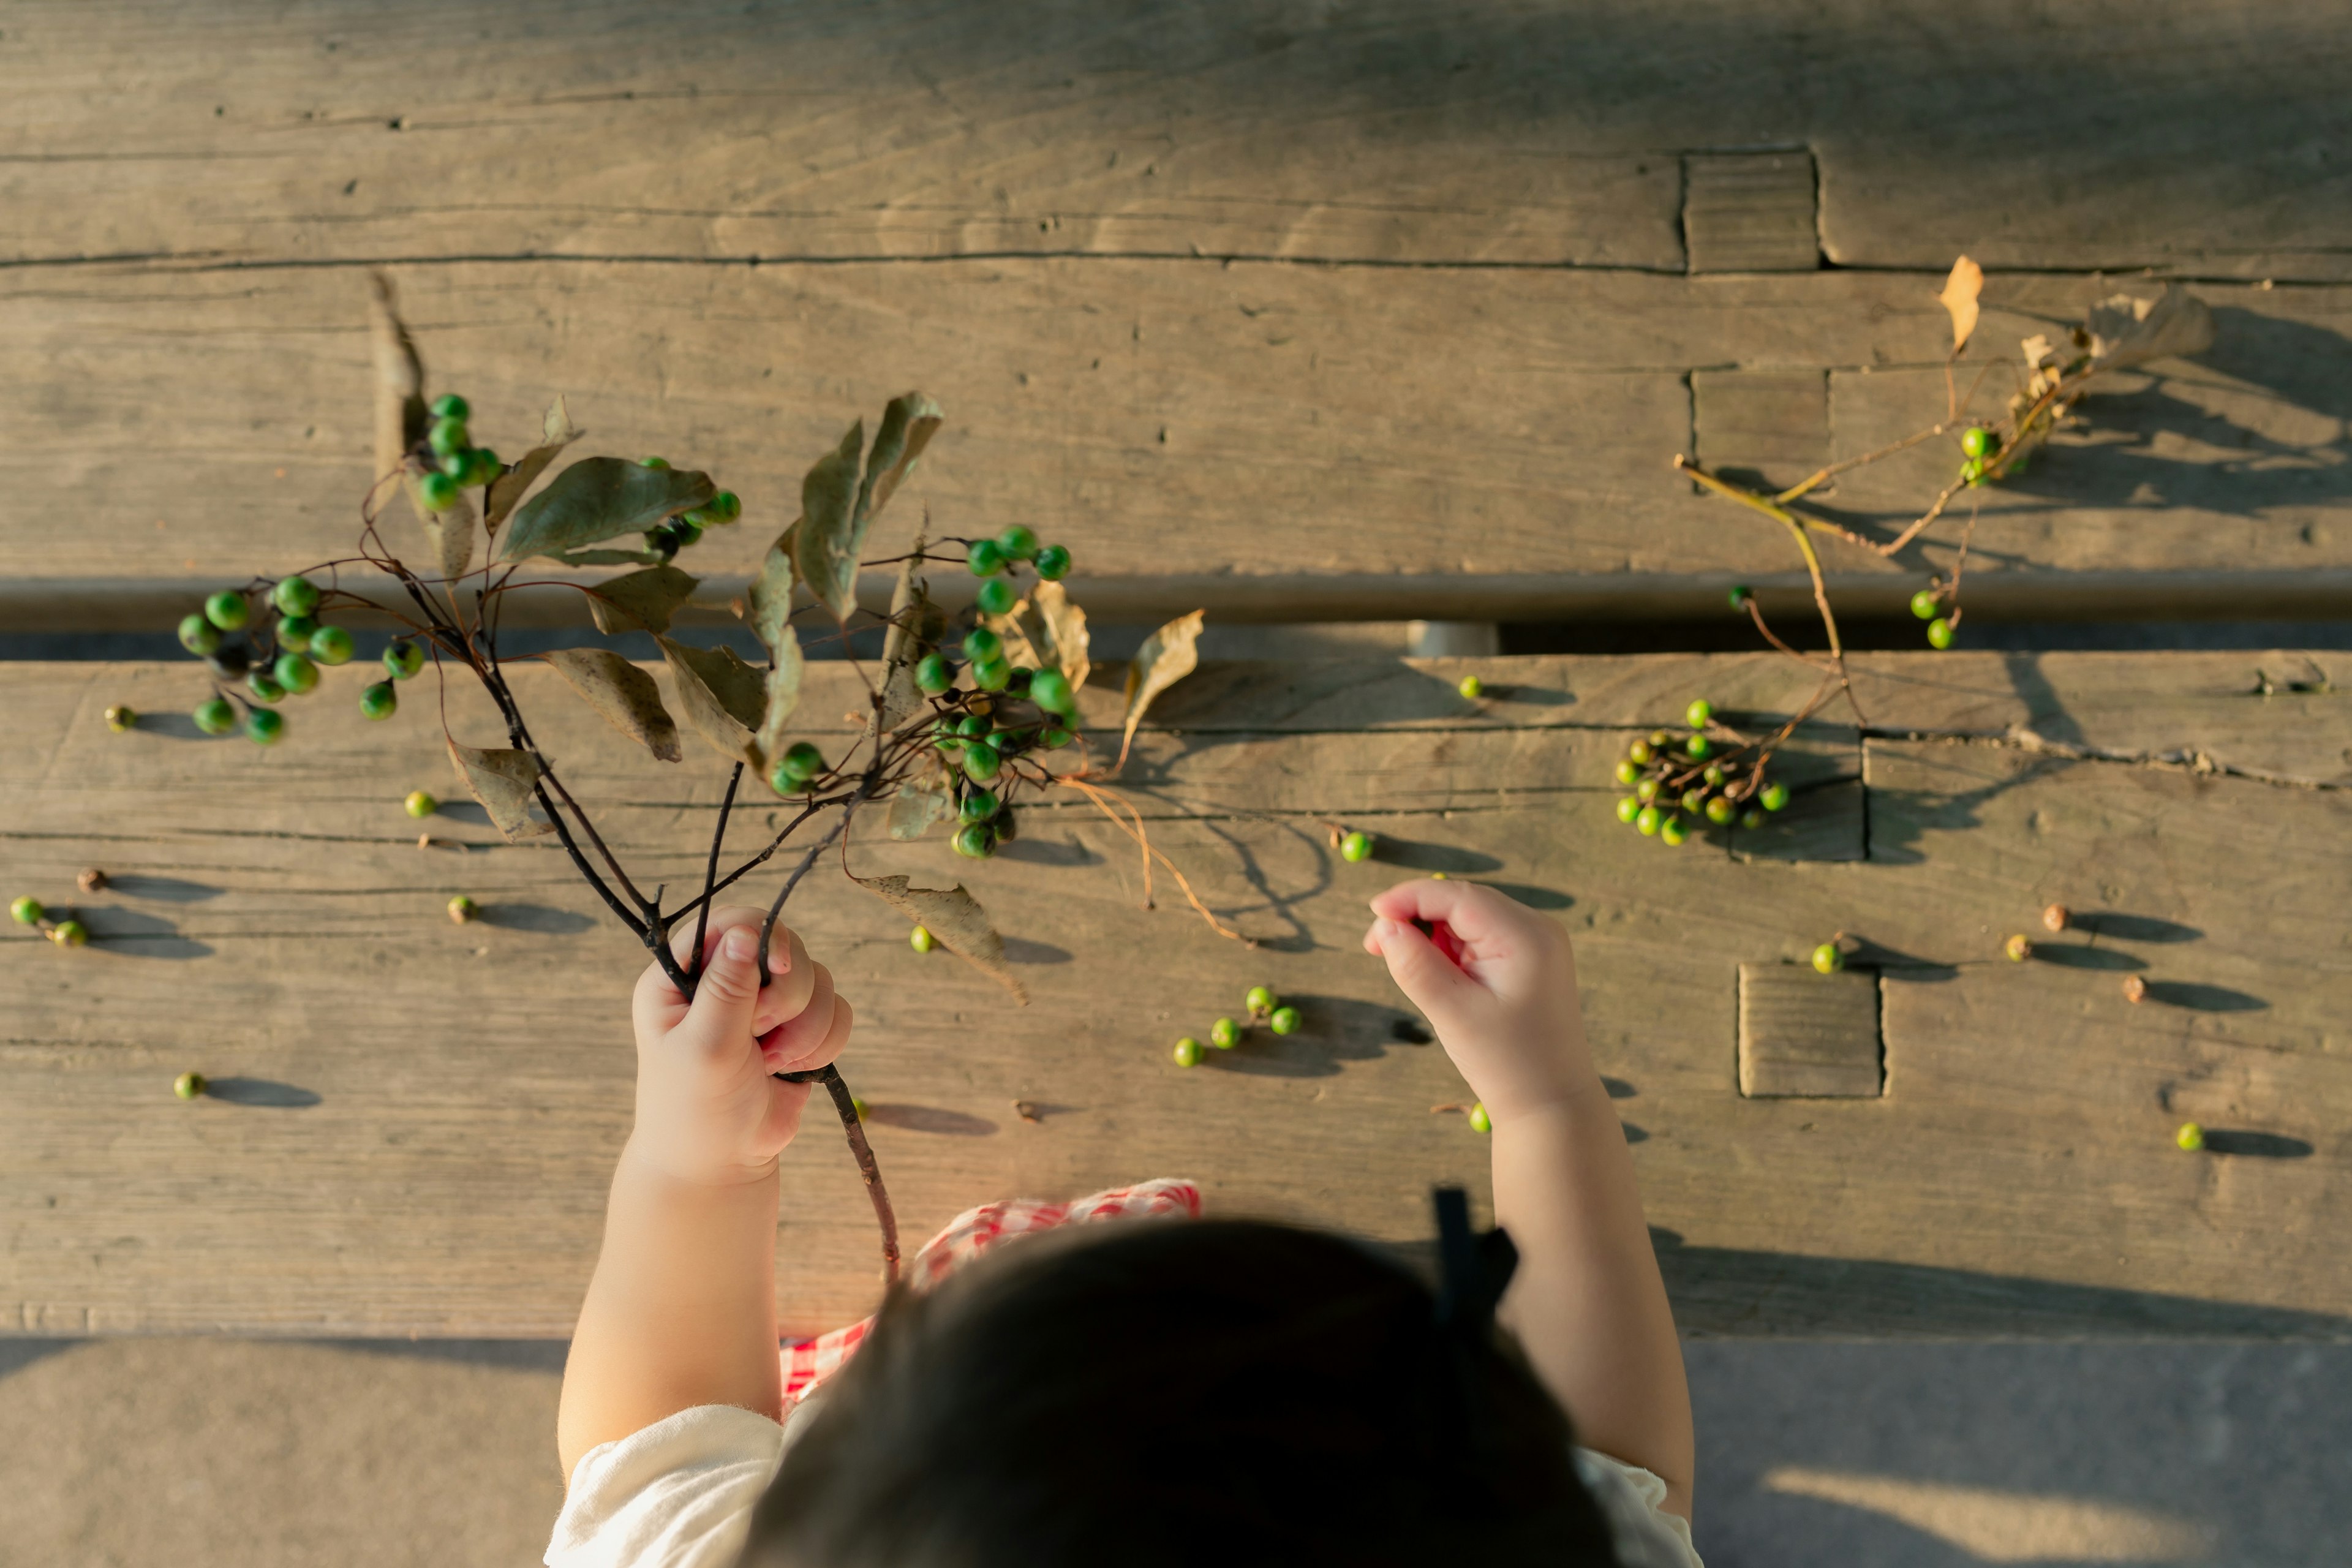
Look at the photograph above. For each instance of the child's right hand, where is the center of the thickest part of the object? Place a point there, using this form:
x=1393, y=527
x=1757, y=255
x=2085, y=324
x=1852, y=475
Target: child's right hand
x=1507, y=1013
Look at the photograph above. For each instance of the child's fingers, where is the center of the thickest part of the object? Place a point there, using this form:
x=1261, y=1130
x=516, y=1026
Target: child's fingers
x=1427, y=978
x=826, y=1050
x=808, y=1023
x=1474, y=911
x=720, y=1019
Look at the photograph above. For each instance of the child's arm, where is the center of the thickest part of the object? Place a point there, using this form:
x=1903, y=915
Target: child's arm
x=1587, y=1302
x=681, y=1311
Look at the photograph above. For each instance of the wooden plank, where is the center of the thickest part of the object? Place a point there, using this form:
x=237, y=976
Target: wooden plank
x=1153, y=417
x=1750, y=211
x=1751, y=423
x=273, y=923
x=1804, y=1035
x=1398, y=130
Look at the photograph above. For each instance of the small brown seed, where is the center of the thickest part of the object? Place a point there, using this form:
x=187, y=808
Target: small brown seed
x=2135, y=988
x=2054, y=918
x=91, y=880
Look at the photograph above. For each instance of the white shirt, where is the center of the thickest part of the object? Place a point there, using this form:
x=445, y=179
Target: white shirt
x=680, y=1494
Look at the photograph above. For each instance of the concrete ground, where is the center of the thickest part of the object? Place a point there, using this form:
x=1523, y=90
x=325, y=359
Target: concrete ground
x=192, y=1453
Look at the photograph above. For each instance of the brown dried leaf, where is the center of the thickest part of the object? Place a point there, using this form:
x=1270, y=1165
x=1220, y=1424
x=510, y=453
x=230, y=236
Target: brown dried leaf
x=598, y=498
x=825, y=544
x=451, y=534
x=2125, y=331
x=1061, y=633
x=623, y=694
x=401, y=415
x=557, y=432
x=1959, y=298
x=921, y=801
x=955, y=917
x=640, y=601
x=770, y=612
x=914, y=621
x=502, y=782
x=907, y=425
x=1167, y=656
x=1018, y=648
x=723, y=698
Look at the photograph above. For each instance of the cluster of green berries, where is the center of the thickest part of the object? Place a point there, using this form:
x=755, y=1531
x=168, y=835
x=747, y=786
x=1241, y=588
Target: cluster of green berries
x=28, y=911
x=686, y=528
x=991, y=560
x=1928, y=603
x=1981, y=459
x=1694, y=776
x=1261, y=1006
x=279, y=658
x=457, y=464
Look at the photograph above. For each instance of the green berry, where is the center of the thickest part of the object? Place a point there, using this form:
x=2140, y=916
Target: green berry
x=1672, y=831
x=1017, y=542
x=199, y=635
x=933, y=674
x=462, y=909
x=1740, y=596
x=996, y=597
x=975, y=840
x=653, y=462
x=803, y=760
x=978, y=805
x=1972, y=471
x=482, y=466
x=1472, y=688
x=419, y=803
x=1053, y=737
x=121, y=717
x=1828, y=959
x=1479, y=1121
x=1645, y=791
x=1188, y=1052
x=1050, y=689
x=403, y=660
x=1052, y=563
x=1639, y=752
x=331, y=646
x=785, y=781
x=1751, y=819
x=1976, y=441
x=1627, y=773
x=449, y=436
x=684, y=531
x=214, y=716
x=981, y=760
x=1647, y=820
x=188, y=1085
x=1773, y=795
x=438, y=491
x=1694, y=801
x=1925, y=605
x=264, y=687
x=1698, y=746
x=1283, y=1020
x=70, y=933
x=294, y=633
x=1628, y=807
x=1698, y=713
x=265, y=726
x=296, y=673
x=921, y=940
x=1714, y=775
x=981, y=643
x=459, y=466
x=990, y=674
x=2017, y=947
x=380, y=700
x=1939, y=633
x=2191, y=1138
x=449, y=406
x=726, y=507
x=1720, y=811
x=973, y=726
x=227, y=610
x=295, y=595
x=27, y=911
x=984, y=558
x=1224, y=1034
x=1260, y=1000
x=1356, y=846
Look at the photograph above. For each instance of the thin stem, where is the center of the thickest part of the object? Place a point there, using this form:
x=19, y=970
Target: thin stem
x=710, y=872
x=845, y=1105
x=593, y=837
x=768, y=928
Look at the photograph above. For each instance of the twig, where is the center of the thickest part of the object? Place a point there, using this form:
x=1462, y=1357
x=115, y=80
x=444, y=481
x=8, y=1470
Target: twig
x=845, y=1105
x=710, y=871
x=1150, y=853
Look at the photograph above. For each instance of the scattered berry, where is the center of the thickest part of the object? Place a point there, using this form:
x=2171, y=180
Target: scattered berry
x=1828, y=958
x=331, y=646
x=1479, y=1121
x=1188, y=1052
x=227, y=610
x=419, y=803
x=1939, y=633
x=2053, y=917
x=1627, y=773
x=380, y=700
x=1672, y=831
x=1740, y=596
x=1472, y=688
x=188, y=1085
x=1224, y=1034
x=979, y=805
x=1976, y=441
x=1647, y=820
x=1052, y=563
x=264, y=687
x=2191, y=1138
x=214, y=716
x=462, y=909
x=449, y=406
x=1720, y=811
x=121, y=717
x=2135, y=988
x=199, y=635
x=265, y=726
x=70, y=933
x=1628, y=807
x=933, y=675
x=981, y=643
x=975, y=840
x=296, y=595
x=1355, y=847
x=1698, y=713
x=1260, y=1000
x=984, y=558
x=1017, y=542
x=1283, y=1020
x=2019, y=948
x=91, y=880
x=1925, y=605
x=27, y=911
x=403, y=660
x=438, y=491
x=1773, y=795
x=294, y=633
x=1050, y=689
x=921, y=940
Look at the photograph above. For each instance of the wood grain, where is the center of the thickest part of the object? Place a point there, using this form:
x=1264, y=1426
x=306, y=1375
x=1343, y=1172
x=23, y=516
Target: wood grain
x=1808, y=1035
x=1750, y=211
x=273, y=924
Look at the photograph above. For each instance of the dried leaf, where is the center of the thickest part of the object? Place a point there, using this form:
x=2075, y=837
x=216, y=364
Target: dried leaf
x=1166, y=657
x=451, y=533
x=823, y=546
x=920, y=803
x=723, y=698
x=914, y=621
x=2038, y=351
x=1959, y=298
x=601, y=497
x=558, y=432
x=955, y=917
x=608, y=557
x=640, y=601
x=1018, y=649
x=781, y=694
x=1061, y=633
x=907, y=425
x=623, y=694
x=401, y=415
x=502, y=782
x=2125, y=331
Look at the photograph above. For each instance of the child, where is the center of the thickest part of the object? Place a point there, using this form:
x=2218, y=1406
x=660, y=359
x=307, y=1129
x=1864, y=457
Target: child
x=1181, y=1391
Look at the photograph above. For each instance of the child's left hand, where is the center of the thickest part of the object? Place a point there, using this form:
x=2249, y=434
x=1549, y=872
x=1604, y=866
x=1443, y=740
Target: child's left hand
x=708, y=1110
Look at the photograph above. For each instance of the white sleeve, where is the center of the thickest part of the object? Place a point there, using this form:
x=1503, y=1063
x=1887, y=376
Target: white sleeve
x=677, y=1494
x=1646, y=1535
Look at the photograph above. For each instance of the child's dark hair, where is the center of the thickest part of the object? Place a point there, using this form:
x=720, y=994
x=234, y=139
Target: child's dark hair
x=1178, y=1392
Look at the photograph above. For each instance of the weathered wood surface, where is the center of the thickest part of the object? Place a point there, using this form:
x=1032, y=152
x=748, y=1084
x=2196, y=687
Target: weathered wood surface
x=1803, y=1034
x=417, y=1119
x=2191, y=136
x=1272, y=441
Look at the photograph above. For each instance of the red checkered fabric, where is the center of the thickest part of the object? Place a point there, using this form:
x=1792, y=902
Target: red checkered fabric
x=808, y=1362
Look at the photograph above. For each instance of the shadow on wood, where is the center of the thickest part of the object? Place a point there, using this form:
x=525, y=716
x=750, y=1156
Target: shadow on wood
x=162, y=889
x=2201, y=998
x=930, y=1119
x=2256, y=1145
x=261, y=1091
x=545, y=919
x=134, y=934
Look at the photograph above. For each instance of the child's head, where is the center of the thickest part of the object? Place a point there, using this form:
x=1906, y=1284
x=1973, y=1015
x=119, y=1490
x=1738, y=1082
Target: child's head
x=1208, y=1391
